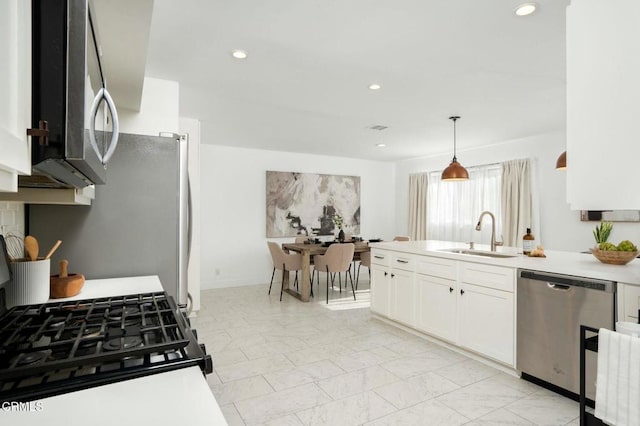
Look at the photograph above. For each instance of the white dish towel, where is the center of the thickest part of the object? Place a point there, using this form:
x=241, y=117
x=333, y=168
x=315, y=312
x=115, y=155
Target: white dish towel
x=618, y=379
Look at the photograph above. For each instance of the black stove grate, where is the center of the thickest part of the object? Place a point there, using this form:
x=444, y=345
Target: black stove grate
x=58, y=347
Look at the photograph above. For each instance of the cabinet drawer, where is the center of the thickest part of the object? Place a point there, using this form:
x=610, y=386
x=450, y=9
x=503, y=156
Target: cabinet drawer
x=489, y=276
x=436, y=267
x=403, y=261
x=380, y=257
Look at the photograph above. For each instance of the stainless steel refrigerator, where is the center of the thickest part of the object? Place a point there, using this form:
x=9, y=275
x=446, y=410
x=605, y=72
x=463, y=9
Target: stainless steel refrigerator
x=138, y=223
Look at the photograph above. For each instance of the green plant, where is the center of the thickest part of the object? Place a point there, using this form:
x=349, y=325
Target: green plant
x=337, y=220
x=601, y=233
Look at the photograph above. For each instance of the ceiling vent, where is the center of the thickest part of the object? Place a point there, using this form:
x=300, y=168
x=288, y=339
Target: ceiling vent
x=378, y=127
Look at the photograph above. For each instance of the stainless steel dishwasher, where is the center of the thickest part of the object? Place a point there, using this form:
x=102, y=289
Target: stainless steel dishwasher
x=551, y=308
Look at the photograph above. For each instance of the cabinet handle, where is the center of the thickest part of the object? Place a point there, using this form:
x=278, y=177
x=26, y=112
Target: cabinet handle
x=461, y=291
x=393, y=275
x=402, y=261
x=385, y=274
x=450, y=289
x=379, y=257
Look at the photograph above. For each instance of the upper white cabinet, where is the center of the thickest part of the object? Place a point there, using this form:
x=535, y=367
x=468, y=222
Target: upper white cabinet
x=15, y=91
x=603, y=89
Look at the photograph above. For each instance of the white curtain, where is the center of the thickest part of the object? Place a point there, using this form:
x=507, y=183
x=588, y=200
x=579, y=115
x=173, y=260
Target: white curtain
x=418, y=187
x=517, y=200
x=453, y=208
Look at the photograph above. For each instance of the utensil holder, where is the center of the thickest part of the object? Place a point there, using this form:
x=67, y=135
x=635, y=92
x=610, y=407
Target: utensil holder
x=30, y=284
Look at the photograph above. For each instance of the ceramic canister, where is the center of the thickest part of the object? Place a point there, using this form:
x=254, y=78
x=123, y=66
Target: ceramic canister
x=30, y=283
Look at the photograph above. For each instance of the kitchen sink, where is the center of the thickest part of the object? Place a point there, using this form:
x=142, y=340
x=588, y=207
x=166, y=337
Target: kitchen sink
x=484, y=253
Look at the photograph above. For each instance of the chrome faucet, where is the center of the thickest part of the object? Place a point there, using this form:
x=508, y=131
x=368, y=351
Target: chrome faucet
x=494, y=243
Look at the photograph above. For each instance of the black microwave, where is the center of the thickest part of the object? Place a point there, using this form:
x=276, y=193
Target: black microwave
x=69, y=98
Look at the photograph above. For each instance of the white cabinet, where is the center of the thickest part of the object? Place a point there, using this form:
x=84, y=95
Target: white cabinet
x=437, y=312
x=603, y=64
x=393, y=286
x=403, y=294
x=486, y=322
x=437, y=297
x=468, y=304
x=380, y=282
x=628, y=302
x=15, y=91
x=380, y=290
x=486, y=319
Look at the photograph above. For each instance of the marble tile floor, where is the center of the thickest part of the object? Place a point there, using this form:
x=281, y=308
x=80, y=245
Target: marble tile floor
x=294, y=363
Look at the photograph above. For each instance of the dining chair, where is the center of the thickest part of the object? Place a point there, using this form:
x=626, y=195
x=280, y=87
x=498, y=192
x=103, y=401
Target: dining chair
x=401, y=238
x=336, y=259
x=284, y=262
x=365, y=260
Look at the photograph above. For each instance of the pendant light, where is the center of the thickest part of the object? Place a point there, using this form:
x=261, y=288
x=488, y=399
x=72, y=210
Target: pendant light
x=561, y=163
x=455, y=171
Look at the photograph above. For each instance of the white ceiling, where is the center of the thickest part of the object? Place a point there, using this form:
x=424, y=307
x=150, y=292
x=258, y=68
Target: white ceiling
x=304, y=86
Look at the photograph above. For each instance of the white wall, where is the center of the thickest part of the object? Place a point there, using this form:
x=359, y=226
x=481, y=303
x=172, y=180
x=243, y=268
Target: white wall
x=559, y=227
x=159, y=109
x=233, y=208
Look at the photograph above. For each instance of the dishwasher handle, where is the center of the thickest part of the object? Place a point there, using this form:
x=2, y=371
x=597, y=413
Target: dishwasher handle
x=568, y=280
x=558, y=287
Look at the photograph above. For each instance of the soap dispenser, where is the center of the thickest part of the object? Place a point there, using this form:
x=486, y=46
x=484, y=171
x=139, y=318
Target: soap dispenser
x=528, y=242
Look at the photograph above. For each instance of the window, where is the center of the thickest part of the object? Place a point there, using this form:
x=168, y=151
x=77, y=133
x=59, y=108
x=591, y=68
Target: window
x=453, y=208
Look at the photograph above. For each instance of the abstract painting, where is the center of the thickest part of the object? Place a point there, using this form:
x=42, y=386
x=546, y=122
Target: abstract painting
x=307, y=203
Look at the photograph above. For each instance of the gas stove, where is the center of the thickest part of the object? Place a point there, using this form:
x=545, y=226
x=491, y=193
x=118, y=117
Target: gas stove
x=60, y=347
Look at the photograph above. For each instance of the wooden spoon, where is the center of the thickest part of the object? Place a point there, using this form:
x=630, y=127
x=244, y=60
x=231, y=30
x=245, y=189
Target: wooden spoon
x=53, y=249
x=31, y=247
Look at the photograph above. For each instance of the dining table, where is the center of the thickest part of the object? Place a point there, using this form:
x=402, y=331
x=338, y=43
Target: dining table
x=308, y=250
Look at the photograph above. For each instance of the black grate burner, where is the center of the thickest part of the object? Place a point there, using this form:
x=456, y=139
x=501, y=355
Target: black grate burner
x=65, y=346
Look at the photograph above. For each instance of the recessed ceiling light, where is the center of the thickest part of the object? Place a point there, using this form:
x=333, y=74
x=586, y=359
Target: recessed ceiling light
x=239, y=54
x=374, y=86
x=526, y=9
x=381, y=145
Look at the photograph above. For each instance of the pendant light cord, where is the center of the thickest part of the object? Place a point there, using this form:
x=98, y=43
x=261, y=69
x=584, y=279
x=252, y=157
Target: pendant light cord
x=454, y=118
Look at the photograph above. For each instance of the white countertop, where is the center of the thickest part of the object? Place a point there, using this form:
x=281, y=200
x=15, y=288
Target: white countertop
x=179, y=397
x=93, y=289
x=175, y=397
x=560, y=262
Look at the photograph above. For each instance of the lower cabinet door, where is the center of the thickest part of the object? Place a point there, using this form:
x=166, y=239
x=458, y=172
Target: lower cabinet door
x=486, y=322
x=629, y=296
x=437, y=313
x=403, y=297
x=380, y=290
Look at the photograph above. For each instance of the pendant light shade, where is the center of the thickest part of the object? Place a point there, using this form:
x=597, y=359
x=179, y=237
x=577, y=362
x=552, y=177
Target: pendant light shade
x=455, y=171
x=561, y=163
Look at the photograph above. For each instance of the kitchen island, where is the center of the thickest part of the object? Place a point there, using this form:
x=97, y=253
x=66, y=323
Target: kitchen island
x=179, y=396
x=468, y=301
x=559, y=262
